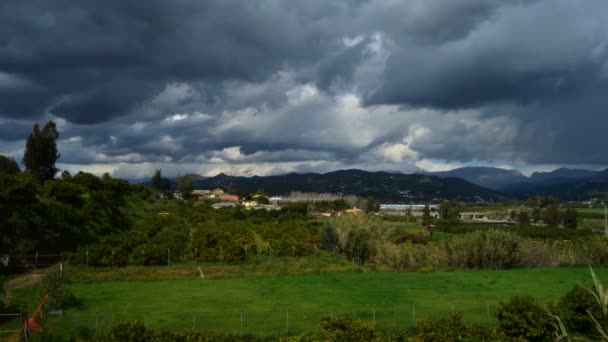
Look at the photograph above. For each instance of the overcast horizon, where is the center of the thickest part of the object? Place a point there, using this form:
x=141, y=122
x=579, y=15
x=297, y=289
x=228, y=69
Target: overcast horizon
x=272, y=87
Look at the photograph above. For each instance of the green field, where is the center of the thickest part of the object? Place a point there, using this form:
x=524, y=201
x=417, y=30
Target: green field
x=266, y=303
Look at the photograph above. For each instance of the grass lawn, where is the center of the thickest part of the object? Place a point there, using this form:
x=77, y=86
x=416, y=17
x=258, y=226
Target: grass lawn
x=267, y=302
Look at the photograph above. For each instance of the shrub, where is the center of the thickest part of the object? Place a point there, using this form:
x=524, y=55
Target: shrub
x=522, y=317
x=128, y=331
x=491, y=249
x=537, y=254
x=409, y=256
x=453, y=328
x=572, y=309
x=348, y=329
x=359, y=246
x=60, y=296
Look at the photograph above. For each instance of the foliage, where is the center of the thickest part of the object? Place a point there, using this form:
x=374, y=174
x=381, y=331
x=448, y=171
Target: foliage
x=359, y=246
x=129, y=331
x=156, y=181
x=410, y=257
x=536, y=232
x=522, y=317
x=185, y=187
x=523, y=219
x=570, y=217
x=8, y=165
x=450, y=210
x=166, y=188
x=41, y=152
x=552, y=216
x=329, y=237
x=345, y=328
x=600, y=294
x=492, y=249
x=573, y=309
x=453, y=328
x=534, y=253
x=56, y=287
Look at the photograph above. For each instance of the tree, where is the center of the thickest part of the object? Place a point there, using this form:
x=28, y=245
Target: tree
x=570, y=217
x=166, y=188
x=426, y=214
x=157, y=180
x=523, y=219
x=449, y=210
x=185, y=187
x=551, y=216
x=41, y=152
x=536, y=214
x=8, y=165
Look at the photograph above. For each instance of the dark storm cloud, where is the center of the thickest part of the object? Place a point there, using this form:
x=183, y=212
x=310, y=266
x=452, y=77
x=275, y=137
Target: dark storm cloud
x=93, y=60
x=323, y=83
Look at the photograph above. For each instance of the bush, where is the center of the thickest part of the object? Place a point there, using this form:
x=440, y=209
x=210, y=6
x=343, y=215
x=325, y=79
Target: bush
x=410, y=257
x=572, y=309
x=452, y=328
x=522, y=317
x=348, y=329
x=491, y=249
x=128, y=331
x=56, y=287
x=537, y=254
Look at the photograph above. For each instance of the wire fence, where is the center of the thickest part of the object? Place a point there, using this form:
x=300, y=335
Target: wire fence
x=283, y=321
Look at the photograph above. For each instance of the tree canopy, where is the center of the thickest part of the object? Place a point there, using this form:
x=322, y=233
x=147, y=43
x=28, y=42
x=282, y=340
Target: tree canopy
x=8, y=165
x=41, y=152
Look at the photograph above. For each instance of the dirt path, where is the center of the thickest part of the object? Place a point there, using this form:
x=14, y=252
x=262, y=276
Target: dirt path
x=25, y=280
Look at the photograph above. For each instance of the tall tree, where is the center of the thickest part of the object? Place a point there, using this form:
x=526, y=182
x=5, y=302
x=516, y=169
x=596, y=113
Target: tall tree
x=570, y=217
x=523, y=219
x=185, y=187
x=157, y=180
x=551, y=215
x=8, y=165
x=41, y=152
x=166, y=188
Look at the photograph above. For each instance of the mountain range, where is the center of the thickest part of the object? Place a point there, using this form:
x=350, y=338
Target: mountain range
x=466, y=184
x=384, y=186
x=568, y=184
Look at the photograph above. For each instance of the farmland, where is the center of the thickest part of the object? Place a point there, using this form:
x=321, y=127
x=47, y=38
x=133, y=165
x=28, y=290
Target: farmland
x=266, y=302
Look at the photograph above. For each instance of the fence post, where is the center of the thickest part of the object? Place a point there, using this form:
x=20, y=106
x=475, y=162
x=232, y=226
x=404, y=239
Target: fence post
x=414, y=313
x=36, y=262
x=331, y=313
x=113, y=258
x=60, y=270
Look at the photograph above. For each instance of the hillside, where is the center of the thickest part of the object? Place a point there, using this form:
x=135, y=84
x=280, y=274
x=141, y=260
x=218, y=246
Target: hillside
x=592, y=187
x=488, y=177
x=384, y=186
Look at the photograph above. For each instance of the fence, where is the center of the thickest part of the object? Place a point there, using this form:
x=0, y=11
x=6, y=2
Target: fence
x=283, y=321
x=16, y=326
x=35, y=260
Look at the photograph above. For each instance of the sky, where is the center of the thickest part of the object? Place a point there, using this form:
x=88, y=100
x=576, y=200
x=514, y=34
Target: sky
x=271, y=87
